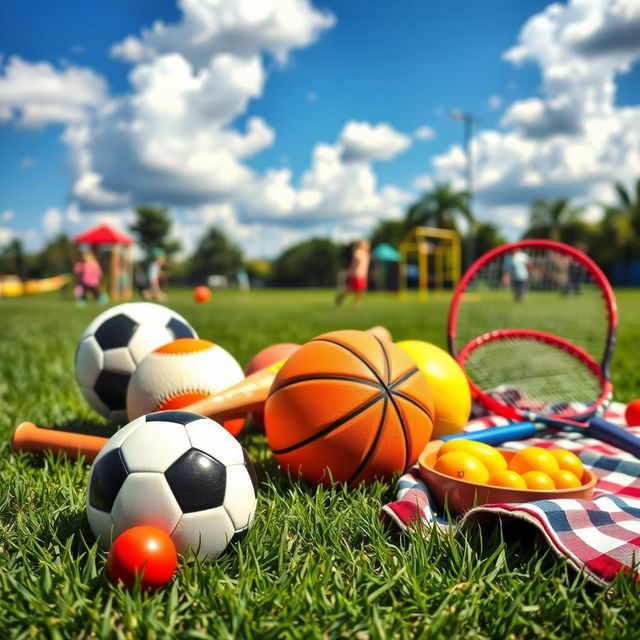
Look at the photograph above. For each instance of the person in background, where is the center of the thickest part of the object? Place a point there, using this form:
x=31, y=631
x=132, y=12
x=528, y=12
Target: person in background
x=154, y=270
x=357, y=273
x=516, y=273
x=88, y=275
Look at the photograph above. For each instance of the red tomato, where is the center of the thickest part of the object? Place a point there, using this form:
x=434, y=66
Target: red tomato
x=142, y=550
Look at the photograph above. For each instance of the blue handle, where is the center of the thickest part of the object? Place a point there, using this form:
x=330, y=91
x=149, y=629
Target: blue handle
x=617, y=436
x=498, y=435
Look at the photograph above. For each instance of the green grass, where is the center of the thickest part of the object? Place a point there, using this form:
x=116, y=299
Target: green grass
x=318, y=562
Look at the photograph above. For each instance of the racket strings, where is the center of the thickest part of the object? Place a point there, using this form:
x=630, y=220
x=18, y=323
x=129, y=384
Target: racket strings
x=556, y=294
x=532, y=376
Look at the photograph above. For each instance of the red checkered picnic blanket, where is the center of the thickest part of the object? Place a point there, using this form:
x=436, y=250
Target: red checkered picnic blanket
x=599, y=536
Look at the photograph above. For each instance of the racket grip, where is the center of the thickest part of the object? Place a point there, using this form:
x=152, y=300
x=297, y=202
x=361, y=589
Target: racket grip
x=610, y=433
x=498, y=435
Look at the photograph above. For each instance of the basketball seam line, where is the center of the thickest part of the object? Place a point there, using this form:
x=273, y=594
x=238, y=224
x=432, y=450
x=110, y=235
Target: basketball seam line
x=373, y=446
x=386, y=360
x=403, y=426
x=333, y=426
x=413, y=402
x=356, y=354
x=308, y=377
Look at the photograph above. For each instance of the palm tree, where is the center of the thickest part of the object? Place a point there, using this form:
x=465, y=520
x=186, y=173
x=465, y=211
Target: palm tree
x=548, y=218
x=442, y=207
x=622, y=221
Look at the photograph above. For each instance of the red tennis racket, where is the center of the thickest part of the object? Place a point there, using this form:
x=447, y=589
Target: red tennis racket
x=533, y=325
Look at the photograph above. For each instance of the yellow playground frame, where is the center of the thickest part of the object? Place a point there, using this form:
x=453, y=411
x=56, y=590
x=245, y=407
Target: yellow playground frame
x=446, y=262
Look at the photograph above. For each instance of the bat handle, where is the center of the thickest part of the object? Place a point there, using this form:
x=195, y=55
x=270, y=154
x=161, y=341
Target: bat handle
x=498, y=435
x=29, y=437
x=610, y=433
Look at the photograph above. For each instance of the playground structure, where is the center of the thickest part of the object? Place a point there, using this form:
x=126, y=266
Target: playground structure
x=118, y=265
x=438, y=255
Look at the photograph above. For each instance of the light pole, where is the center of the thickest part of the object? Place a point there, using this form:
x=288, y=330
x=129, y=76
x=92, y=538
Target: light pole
x=468, y=120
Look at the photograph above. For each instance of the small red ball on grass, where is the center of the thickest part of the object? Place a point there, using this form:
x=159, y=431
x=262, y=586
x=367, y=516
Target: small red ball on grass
x=142, y=551
x=201, y=294
x=632, y=413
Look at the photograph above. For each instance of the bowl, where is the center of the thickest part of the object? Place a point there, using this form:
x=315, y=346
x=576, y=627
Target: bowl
x=461, y=495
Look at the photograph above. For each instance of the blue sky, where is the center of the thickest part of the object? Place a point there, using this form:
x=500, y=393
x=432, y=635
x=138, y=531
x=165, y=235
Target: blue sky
x=281, y=119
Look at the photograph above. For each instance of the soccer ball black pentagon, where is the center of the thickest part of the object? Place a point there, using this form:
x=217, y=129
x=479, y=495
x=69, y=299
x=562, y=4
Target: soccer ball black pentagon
x=113, y=345
x=179, y=472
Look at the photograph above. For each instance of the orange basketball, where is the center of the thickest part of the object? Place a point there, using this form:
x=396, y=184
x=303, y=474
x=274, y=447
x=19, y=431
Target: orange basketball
x=348, y=407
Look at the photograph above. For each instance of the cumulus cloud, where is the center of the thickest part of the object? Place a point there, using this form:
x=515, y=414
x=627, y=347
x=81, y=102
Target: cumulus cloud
x=52, y=221
x=7, y=215
x=37, y=94
x=338, y=186
x=495, y=102
x=243, y=28
x=572, y=140
x=424, y=133
x=362, y=141
x=175, y=138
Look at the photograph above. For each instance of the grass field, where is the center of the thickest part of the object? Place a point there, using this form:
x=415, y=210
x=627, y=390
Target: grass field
x=318, y=563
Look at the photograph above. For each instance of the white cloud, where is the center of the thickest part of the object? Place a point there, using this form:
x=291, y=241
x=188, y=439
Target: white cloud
x=424, y=133
x=52, y=221
x=7, y=215
x=27, y=162
x=361, y=141
x=37, y=94
x=312, y=96
x=495, y=102
x=240, y=27
x=572, y=140
x=6, y=235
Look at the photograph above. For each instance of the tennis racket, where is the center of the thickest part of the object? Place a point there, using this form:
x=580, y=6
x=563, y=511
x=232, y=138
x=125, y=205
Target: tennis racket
x=535, y=335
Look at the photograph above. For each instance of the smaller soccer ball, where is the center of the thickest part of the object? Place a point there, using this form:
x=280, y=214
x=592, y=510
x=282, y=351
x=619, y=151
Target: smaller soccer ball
x=179, y=373
x=176, y=471
x=113, y=345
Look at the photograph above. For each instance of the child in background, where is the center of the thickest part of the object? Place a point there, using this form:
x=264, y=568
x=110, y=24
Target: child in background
x=88, y=274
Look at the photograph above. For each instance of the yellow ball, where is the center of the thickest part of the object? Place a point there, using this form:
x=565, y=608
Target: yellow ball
x=449, y=386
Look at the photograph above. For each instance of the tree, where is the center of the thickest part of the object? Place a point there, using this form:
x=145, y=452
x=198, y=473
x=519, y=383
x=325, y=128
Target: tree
x=440, y=207
x=621, y=223
x=15, y=259
x=215, y=255
x=57, y=256
x=313, y=263
x=390, y=231
x=152, y=228
x=548, y=218
x=488, y=236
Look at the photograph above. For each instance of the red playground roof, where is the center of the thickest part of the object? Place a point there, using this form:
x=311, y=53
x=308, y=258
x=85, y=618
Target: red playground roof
x=102, y=234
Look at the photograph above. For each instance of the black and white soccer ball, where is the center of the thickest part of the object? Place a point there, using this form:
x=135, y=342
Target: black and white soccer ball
x=113, y=345
x=176, y=471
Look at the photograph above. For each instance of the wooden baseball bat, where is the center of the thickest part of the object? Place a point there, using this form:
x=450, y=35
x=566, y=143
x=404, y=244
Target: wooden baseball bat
x=244, y=397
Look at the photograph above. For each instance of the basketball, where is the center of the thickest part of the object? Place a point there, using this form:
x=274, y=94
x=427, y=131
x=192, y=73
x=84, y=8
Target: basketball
x=201, y=294
x=348, y=407
x=265, y=358
x=449, y=386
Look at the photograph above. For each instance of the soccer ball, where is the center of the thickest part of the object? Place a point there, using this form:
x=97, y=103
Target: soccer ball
x=179, y=472
x=113, y=345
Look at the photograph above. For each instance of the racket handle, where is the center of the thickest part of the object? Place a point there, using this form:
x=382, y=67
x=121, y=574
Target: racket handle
x=498, y=435
x=613, y=434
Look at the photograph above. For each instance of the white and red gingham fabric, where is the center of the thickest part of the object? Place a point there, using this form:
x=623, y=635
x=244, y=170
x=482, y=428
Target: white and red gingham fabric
x=600, y=536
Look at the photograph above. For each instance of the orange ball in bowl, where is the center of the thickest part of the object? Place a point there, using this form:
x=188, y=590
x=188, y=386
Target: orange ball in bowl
x=265, y=358
x=348, y=407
